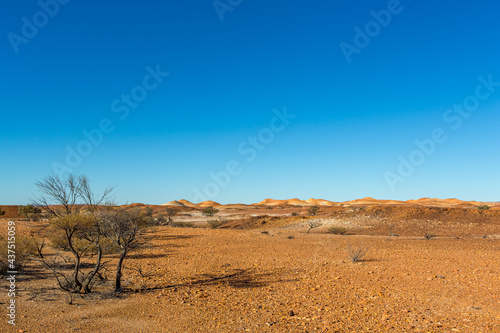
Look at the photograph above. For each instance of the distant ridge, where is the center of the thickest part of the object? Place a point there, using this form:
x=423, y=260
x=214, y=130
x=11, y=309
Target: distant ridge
x=174, y=203
x=188, y=203
x=295, y=202
x=209, y=203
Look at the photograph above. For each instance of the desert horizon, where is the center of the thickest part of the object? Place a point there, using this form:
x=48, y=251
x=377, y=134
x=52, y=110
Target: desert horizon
x=276, y=265
x=231, y=166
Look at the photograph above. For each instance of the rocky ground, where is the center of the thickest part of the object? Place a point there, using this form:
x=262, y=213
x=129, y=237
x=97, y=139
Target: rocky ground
x=265, y=274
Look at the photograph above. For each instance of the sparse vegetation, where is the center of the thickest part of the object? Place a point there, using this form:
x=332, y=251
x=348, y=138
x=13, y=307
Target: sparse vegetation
x=182, y=224
x=313, y=210
x=214, y=224
x=148, y=211
x=313, y=225
x=429, y=235
x=295, y=214
x=2, y=212
x=483, y=207
x=170, y=213
x=25, y=248
x=122, y=228
x=356, y=253
x=392, y=235
x=30, y=212
x=77, y=231
x=337, y=230
x=210, y=211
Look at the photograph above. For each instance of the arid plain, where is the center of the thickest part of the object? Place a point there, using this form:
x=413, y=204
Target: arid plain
x=430, y=266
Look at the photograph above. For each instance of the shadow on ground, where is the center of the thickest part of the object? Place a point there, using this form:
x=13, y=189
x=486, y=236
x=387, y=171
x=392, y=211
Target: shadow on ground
x=237, y=278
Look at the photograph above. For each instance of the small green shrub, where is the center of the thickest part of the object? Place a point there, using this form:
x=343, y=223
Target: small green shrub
x=295, y=214
x=30, y=212
x=313, y=210
x=483, y=207
x=337, y=230
x=210, y=211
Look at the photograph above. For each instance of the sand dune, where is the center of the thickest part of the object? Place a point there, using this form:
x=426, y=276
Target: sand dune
x=271, y=202
x=290, y=202
x=174, y=203
x=321, y=202
x=188, y=203
x=372, y=201
x=208, y=203
x=295, y=202
x=443, y=202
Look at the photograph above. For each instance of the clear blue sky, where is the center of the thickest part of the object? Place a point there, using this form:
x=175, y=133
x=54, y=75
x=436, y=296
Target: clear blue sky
x=353, y=120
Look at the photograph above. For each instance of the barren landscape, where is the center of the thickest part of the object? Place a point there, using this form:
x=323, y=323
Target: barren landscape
x=430, y=266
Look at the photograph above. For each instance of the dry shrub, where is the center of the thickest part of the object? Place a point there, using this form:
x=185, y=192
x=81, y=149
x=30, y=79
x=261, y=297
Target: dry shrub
x=24, y=248
x=337, y=230
x=214, y=224
x=356, y=253
x=181, y=224
x=429, y=235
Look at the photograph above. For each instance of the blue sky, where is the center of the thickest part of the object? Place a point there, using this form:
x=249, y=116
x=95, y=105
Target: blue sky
x=354, y=122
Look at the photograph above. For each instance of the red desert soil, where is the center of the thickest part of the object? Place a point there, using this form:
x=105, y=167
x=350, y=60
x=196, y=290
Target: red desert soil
x=263, y=273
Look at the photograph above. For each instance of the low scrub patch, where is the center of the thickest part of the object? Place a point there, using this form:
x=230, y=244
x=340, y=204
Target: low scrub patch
x=337, y=230
x=181, y=224
x=214, y=224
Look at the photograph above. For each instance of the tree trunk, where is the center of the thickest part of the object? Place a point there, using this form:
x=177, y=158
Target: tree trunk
x=91, y=275
x=76, y=284
x=118, y=280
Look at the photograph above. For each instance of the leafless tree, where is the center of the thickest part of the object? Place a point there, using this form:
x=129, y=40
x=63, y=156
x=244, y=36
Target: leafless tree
x=81, y=230
x=122, y=228
x=313, y=225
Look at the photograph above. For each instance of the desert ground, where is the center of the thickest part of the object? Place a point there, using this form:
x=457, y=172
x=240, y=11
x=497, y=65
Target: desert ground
x=431, y=266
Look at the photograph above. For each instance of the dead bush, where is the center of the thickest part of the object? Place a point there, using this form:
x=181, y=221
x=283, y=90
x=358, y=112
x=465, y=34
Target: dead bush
x=356, y=253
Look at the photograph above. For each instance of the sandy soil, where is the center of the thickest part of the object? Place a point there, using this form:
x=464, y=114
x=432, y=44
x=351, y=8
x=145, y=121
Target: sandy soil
x=274, y=277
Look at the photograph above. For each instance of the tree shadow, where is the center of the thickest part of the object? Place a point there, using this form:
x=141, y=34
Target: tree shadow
x=237, y=278
x=156, y=237
x=149, y=255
